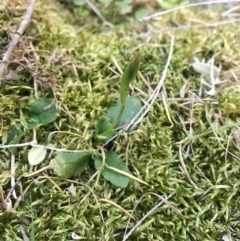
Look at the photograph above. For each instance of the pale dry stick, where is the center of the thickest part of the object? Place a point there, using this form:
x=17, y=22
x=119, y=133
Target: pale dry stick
x=184, y=169
x=211, y=188
x=136, y=120
x=16, y=145
x=134, y=208
x=8, y=200
x=227, y=150
x=146, y=216
x=25, y=237
x=117, y=65
x=117, y=206
x=190, y=127
x=203, y=175
x=146, y=82
x=165, y=104
x=37, y=145
x=7, y=55
x=186, y=6
x=186, y=27
x=235, y=136
x=152, y=97
x=98, y=13
x=234, y=75
x=160, y=197
x=12, y=172
x=229, y=13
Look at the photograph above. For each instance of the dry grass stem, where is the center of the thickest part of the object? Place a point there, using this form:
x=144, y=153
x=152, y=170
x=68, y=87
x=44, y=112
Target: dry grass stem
x=117, y=206
x=157, y=15
x=150, y=212
x=24, y=24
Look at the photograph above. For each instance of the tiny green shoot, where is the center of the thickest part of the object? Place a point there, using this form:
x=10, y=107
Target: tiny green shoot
x=128, y=76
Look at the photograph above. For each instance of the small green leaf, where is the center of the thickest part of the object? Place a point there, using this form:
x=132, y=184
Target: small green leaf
x=124, y=6
x=79, y=2
x=36, y=155
x=141, y=13
x=106, y=135
x=128, y=76
x=14, y=132
x=102, y=128
x=41, y=112
x=14, y=137
x=105, y=1
x=102, y=124
x=113, y=160
x=68, y=164
x=38, y=106
x=133, y=106
x=17, y=140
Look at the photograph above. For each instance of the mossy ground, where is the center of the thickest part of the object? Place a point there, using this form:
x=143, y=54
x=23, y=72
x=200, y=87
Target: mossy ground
x=85, y=81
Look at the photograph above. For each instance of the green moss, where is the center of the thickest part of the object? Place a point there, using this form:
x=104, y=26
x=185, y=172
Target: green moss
x=85, y=81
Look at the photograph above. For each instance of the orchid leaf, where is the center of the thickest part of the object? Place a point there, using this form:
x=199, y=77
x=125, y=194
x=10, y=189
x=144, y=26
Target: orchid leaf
x=113, y=160
x=128, y=76
x=41, y=112
x=36, y=155
x=68, y=164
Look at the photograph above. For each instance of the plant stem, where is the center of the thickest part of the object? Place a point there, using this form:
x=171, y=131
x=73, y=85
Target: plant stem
x=115, y=123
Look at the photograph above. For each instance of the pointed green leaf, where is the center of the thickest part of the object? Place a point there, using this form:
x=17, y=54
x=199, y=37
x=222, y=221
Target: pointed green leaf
x=113, y=160
x=133, y=106
x=36, y=155
x=14, y=137
x=68, y=164
x=102, y=124
x=128, y=76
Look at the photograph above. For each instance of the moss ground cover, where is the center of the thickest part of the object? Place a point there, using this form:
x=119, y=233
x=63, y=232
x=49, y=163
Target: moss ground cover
x=187, y=144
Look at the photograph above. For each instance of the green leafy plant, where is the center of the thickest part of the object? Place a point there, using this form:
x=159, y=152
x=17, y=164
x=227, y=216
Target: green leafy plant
x=67, y=164
x=119, y=115
x=41, y=112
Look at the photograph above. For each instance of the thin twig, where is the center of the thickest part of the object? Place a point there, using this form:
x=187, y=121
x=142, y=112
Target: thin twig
x=7, y=55
x=12, y=171
x=186, y=27
x=184, y=169
x=146, y=216
x=34, y=144
x=98, y=13
x=136, y=120
x=186, y=6
x=25, y=237
x=230, y=12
